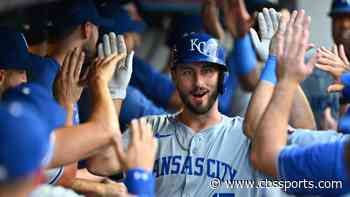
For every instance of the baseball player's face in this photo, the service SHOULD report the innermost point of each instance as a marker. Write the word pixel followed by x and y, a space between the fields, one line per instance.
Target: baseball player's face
pixel 197 85
pixel 341 31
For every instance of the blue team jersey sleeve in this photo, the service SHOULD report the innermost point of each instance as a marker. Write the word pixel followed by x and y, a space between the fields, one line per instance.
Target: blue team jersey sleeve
pixel 305 137
pixel 136 105
pixel 315 162
pixel 155 85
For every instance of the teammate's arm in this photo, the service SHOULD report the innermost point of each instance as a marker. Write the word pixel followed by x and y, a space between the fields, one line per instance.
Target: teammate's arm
pixel 270 138
pixel 268 21
pixel 243 59
pixel 79 142
pixel 301 115
pixel 105 162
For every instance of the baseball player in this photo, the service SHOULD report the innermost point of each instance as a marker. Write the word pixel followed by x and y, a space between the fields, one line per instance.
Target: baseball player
pixel 200 144
pixel 135 104
pixel 159 88
pixel 322 160
pixel 25 145
pixel 65 138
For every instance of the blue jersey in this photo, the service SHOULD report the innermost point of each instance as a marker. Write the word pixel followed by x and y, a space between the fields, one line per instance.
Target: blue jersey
pixel 323 160
pixel 136 105
pixel 46 73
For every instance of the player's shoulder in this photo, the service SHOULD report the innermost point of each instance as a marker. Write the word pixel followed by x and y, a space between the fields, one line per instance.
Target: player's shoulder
pixel 235 122
pixel 160 121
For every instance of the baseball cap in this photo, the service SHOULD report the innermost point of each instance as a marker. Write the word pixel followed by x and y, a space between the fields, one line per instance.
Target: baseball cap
pixel 24 142
pixel 340 7
pixel 14 52
pixel 199 47
pixel 75 12
pixel 40 100
pixel 123 22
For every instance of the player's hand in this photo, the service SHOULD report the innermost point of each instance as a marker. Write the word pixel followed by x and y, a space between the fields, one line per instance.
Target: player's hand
pixel 335 63
pixel 291 48
pixel 67 86
pixel 236 17
pixel 211 21
pixel 121 77
pixel 142 147
pixel 268 24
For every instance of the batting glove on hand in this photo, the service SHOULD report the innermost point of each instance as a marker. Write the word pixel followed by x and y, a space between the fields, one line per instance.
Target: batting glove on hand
pixel 121 77
pixel 268 24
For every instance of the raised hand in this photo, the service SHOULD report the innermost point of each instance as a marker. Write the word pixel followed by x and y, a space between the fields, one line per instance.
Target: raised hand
pixel 237 18
pixel 211 21
pixel 335 63
pixel 67 86
pixel 113 44
pixel 292 46
pixel 142 147
pixel 268 24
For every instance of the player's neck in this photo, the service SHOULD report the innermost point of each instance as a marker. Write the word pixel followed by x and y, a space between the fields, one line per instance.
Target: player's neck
pixel 199 122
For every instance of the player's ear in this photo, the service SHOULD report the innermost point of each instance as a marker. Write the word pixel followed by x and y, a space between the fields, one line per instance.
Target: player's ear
pixel 87 30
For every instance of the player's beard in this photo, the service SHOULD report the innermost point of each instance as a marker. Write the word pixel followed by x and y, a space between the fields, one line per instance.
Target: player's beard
pixel 199 110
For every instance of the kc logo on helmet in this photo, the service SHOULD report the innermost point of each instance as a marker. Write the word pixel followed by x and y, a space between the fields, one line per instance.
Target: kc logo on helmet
pixel 208 48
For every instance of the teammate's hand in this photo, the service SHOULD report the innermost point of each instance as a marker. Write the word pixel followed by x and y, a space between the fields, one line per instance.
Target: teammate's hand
pixel 103 69
pixel 268 24
pixel 237 19
pixel 335 63
pixel 292 46
pixel 211 21
pixel 67 87
pixel 121 77
pixel 142 147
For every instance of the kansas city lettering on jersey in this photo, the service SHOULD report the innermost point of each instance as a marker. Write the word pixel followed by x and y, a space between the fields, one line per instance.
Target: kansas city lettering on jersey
pixel 196 166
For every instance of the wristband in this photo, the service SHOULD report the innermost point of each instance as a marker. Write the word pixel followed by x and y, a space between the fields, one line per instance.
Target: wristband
pixel 140 182
pixel 244 56
pixel 269 72
pixel 345 79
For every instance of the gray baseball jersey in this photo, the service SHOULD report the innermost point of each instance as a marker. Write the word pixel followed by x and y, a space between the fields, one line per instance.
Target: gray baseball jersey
pixel 187 162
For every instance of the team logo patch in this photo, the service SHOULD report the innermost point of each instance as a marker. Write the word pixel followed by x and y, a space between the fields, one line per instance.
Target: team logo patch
pixel 208 48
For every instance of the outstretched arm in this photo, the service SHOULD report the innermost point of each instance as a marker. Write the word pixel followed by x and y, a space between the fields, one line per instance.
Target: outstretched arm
pixel 264 90
pixel 79 142
pixel 105 162
pixel 271 137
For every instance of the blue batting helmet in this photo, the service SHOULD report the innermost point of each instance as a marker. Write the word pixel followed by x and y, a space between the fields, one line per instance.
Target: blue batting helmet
pixel 340 7
pixel 198 47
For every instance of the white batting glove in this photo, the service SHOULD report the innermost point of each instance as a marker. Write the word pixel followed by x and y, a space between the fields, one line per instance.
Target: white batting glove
pixel 121 77
pixel 268 24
